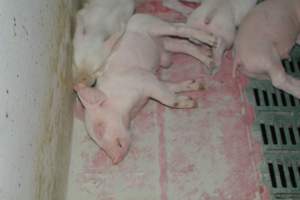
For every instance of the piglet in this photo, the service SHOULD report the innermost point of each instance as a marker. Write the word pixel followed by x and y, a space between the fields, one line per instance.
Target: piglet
pixel 220 17
pixel 129 81
pixel 265 37
pixel 99 26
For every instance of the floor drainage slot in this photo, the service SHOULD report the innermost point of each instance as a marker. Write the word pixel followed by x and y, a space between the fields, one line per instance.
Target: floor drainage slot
pixel 256 95
pixel 272 175
pixel 281 173
pixel 267 98
pixel 282 176
pixel 278 132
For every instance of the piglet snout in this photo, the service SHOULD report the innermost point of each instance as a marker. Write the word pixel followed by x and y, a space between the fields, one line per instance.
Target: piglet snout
pixel 118 150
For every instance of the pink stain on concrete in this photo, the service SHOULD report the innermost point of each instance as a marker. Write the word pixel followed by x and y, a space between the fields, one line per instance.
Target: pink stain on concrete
pixel 163 179
pixel 239 148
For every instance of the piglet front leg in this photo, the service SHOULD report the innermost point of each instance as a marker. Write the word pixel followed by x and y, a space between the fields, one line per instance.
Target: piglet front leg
pixel 177 6
pixel 196 35
pixel 159 28
pixel 166 92
pixel 185 86
pixel 202 52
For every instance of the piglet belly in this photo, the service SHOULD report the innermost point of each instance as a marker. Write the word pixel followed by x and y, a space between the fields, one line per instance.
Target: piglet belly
pixel 137 50
pixel 280 27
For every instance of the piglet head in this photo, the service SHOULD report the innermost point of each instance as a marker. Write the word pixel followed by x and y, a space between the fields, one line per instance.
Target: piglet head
pixel 92 46
pixel 104 123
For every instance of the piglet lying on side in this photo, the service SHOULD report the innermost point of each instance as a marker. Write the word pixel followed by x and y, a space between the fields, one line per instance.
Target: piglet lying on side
pixel 265 37
pixel 99 25
pixel 129 80
pixel 220 17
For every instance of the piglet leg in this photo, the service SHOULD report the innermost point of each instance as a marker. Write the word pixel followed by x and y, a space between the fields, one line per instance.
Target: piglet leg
pixel 218 53
pixel 177 6
pixel 183 46
pixel 185 86
pixel 166 92
pixel 284 81
pixel 280 79
pixel 196 35
pixel 162 28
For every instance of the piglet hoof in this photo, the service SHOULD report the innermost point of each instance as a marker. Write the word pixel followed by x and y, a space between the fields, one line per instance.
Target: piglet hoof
pixel 209 40
pixel 194 85
pixel 184 102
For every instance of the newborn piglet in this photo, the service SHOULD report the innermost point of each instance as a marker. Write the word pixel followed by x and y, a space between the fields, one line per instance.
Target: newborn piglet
pixel 266 36
pixel 129 80
pixel 220 17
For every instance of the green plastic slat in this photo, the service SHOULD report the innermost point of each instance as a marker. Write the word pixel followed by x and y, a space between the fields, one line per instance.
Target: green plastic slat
pixel 291 67
pixel 281 174
pixel 281 130
pixel 295 53
pixel 277 100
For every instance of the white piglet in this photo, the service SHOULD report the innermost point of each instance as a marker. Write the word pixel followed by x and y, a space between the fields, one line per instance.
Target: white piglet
pixel 266 36
pixel 129 80
pixel 220 17
pixel 99 25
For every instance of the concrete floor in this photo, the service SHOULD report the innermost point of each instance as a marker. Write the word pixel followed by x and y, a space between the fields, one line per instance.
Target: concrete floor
pixel 206 153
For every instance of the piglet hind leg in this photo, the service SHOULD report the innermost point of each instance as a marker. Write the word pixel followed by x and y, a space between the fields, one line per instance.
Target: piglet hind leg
pixel 281 80
pixel 202 53
pixel 218 53
pixel 166 92
pixel 285 82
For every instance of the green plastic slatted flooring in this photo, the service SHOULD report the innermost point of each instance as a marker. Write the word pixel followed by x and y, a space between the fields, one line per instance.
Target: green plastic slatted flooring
pixel 277 127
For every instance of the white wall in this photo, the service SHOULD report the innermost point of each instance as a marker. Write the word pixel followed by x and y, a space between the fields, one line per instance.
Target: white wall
pixel 35 103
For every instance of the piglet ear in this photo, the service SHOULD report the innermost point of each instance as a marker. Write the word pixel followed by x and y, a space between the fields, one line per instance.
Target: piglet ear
pixel 91 97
